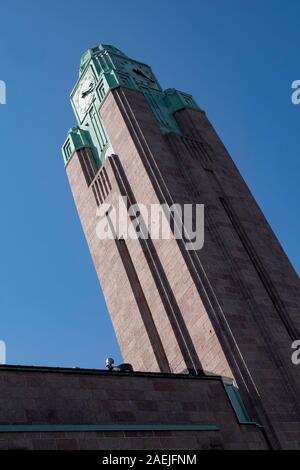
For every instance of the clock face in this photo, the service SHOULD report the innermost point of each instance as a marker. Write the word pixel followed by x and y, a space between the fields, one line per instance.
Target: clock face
pixel 84 94
pixel 141 73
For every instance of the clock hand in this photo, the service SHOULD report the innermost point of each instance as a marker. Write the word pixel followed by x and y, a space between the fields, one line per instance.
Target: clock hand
pixel 88 91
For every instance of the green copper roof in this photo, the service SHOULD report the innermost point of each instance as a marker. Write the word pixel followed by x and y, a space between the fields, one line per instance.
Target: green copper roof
pixel 86 57
pixel 103 68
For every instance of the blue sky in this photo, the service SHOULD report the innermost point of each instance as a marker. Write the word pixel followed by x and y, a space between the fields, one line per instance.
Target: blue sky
pixel 237 57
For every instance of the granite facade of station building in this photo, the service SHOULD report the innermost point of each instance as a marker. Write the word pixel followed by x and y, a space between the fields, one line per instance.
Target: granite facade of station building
pixel 71 409
pixel 207 330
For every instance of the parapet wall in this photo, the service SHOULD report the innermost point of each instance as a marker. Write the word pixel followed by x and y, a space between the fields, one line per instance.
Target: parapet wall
pixel 50 408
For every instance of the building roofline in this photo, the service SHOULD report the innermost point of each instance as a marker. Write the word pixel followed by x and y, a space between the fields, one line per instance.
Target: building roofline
pixel 104 372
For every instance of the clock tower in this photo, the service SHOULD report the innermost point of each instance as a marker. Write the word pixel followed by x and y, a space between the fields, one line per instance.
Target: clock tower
pixel 230 308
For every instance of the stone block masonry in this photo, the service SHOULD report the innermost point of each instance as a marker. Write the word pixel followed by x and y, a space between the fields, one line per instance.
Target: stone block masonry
pixel 231 308
pixel 53 409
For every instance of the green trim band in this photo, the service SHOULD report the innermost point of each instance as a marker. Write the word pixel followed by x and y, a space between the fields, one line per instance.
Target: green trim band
pixel 237 403
pixel 105 427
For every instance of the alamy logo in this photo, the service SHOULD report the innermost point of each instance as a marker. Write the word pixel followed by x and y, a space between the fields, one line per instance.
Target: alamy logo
pixel 295 97
pixel 2 352
pixel 155 221
pixel 296 354
pixel 2 92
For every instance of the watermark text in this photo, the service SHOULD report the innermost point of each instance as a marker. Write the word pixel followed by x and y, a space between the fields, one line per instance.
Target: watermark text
pixel 155 221
pixel 2 92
